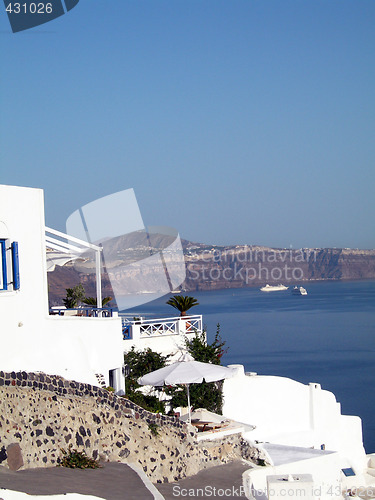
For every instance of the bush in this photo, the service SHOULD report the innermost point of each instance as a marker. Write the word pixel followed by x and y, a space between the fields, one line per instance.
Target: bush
pixel 149 403
pixel 140 363
pixel 74 459
pixel 204 395
pixel 204 352
pixel 154 429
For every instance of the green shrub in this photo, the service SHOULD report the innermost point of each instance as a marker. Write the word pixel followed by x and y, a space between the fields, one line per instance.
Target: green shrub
pixel 140 363
pixel 204 352
pixel 154 429
pixel 149 403
pixel 204 395
pixel 74 459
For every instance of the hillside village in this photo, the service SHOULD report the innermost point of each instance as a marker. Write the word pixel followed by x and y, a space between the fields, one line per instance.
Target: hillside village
pixel 63 383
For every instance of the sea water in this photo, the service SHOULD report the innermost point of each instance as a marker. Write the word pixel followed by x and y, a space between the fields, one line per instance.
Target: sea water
pixel 327 337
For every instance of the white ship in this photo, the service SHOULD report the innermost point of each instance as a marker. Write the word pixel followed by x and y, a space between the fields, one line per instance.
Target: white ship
pixel 273 288
pixel 299 290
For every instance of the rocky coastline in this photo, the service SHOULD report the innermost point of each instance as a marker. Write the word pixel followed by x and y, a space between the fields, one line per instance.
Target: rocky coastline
pixel 212 267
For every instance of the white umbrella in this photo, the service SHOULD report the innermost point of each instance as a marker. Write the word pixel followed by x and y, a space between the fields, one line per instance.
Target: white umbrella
pixel 186 371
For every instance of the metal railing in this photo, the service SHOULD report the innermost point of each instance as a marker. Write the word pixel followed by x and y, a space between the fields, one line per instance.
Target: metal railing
pixel 146 328
pixel 126 331
pixel 94 312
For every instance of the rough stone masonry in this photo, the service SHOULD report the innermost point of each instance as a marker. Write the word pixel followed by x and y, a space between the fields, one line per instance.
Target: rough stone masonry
pixel 41 414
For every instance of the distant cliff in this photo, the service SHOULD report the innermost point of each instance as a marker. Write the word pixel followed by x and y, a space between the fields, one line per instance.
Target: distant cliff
pixel 243 266
pixel 210 267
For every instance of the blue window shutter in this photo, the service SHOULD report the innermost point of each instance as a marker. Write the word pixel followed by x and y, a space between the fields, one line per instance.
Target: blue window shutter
pixel 3 270
pixel 15 266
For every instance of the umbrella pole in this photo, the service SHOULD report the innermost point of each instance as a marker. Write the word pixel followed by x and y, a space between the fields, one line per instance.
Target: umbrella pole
pixel 188 400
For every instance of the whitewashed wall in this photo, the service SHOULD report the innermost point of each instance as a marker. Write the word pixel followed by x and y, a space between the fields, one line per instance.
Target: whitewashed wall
pixel 31 340
pixel 290 413
pixel 163 344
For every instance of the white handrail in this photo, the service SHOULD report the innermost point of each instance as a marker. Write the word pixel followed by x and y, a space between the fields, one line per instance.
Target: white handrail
pixel 164 320
pixel 162 327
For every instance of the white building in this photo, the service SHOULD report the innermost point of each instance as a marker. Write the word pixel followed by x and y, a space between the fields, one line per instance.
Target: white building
pixel 302 431
pixel 74 347
pixel 300 427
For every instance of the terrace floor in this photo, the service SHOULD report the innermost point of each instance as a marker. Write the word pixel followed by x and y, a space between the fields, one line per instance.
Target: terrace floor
pixel 116 481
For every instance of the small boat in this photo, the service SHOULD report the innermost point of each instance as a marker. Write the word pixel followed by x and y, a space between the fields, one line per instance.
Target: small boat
pixel 299 290
pixel 273 288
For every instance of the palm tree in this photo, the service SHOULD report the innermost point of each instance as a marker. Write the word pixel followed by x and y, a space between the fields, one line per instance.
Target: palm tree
pixel 182 303
pixel 74 296
pixel 91 301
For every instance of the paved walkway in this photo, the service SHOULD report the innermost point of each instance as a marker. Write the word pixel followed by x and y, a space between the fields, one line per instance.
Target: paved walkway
pixel 116 481
pixel 222 481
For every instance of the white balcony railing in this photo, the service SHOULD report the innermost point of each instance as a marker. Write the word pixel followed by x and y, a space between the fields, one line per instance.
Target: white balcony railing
pixel 147 328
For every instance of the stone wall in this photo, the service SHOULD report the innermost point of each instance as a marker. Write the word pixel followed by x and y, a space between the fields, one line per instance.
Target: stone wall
pixel 63 387
pixel 229 448
pixel 40 414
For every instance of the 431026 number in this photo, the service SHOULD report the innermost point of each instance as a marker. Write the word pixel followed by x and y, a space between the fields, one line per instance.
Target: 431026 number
pixel 31 8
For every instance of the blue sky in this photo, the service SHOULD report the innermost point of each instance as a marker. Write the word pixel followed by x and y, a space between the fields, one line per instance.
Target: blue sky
pixel 241 121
